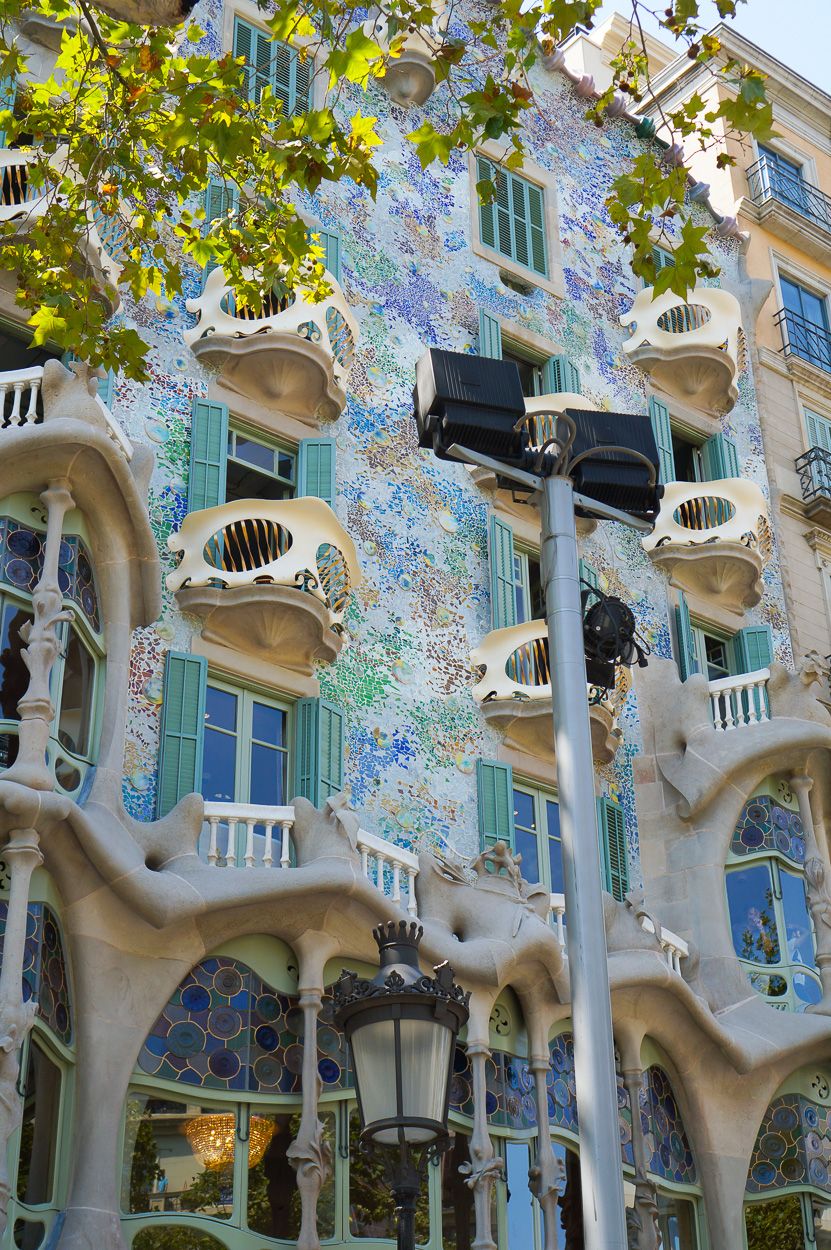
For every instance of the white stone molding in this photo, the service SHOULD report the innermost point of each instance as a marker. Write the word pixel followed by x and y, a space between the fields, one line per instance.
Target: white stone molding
pixel 690 348
pixel 714 539
pixel 297 354
pixel 22 855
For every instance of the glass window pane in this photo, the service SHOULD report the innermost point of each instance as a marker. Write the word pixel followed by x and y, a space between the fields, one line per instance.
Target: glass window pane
pixel 676 1220
pixel 178 1157
pixel 268 724
pixel 821 1208
pixel 252 452
pixel 752 918
pixel 521 587
pixel 798 935
pixel 526 846
pixel 458 1217
pixel 39 1128
pixel 268 776
pixel 777 1222
pixel 520 1204
pixel 371 1212
pixel 525 810
pixel 273 1196
pixel 14 675
pixel 555 846
pixel 220 708
pixel 175 1237
pixel 285 465
pixel 75 719
pixel 219 767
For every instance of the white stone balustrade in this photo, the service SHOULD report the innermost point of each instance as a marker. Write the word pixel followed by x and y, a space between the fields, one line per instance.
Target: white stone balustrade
pixel 673 947
pixel 20 406
pixel 248 835
pixel 713 539
pixel 739 701
pixel 690 348
pixel 296 543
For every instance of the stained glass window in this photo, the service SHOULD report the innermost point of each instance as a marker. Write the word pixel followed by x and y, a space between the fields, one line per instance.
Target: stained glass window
pixel 45 978
pixel 793 1146
pixel 21 564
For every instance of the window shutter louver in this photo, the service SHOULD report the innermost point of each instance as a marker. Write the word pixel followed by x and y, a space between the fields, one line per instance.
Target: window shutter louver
pixel 520 251
pixel 559 375
pixel 316 469
pixel 490 336
pixel 504 233
pixel 685 643
pixel 662 258
pixel 719 458
pixel 182 729
pixel 536 222
pixel 659 416
pixel 319 742
pixel 503 589
pixel 302 101
pixel 208 455
pixel 614 853
pixel 819 430
pixel 330 243
pixel 589 576
pixel 753 648
pixel 487 212
pixel 495 787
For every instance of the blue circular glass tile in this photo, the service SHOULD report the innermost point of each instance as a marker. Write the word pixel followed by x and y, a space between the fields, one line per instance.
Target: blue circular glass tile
pixel 773 1145
pixel 18 572
pixel 185 1038
pixel 780 817
pixel 809 1115
pixel 224 1064
pixel 329 1071
pixel 491 1103
pixel 64 581
pixel 268 1007
pixel 25 543
pixel 61 1017
pixel 196 998
pixel 784 1118
pixel 50 935
pixel 266 1038
pixel 817 1172
pixel 224 1022
pixel 267 1071
pixel 228 982
pixel 752 837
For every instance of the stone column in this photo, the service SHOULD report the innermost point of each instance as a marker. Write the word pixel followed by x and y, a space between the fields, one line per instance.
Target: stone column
pixel 817 887
pixel 642 1222
pixel 546 1178
pixel 16 1017
pixel 484 1166
pixel 42 646
pixel 309 1154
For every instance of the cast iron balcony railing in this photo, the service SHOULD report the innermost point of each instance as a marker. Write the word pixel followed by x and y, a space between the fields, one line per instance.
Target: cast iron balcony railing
pixel 769 181
pixel 814 469
pixel 804 339
pixel 713 539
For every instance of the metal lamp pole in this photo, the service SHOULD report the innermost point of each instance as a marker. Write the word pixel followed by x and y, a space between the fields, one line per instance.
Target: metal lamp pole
pixel 601 1175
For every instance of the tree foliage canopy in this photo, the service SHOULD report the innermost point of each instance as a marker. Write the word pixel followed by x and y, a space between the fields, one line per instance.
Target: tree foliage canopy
pixel 125 134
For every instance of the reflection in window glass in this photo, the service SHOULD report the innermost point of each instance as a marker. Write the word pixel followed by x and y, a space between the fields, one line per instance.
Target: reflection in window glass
pixel 371 1212
pixel 752 919
pixel 175 1237
pixel 219 766
pixel 178 1157
pixel 29 1234
pixel 525 834
pixel 273 1197
pixel 458 1218
pixel 821 1214
pixel 14 675
pixel 571 1202
pixel 520 1204
pixel 776 1223
pixel 798 932
pixel 269 755
pixel 39 1128
pixel 555 846
pixel 676 1220
pixel 76 697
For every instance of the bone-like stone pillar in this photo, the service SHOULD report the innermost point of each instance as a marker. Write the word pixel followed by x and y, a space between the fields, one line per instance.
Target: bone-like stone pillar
pixel 819 896
pixel 642 1223
pixel 16 1017
pixel 484 1167
pixel 309 1154
pixel 41 638
pixel 546 1177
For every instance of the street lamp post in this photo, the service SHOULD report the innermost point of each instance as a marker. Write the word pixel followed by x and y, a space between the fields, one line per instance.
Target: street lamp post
pixel 472 409
pixel 401 1029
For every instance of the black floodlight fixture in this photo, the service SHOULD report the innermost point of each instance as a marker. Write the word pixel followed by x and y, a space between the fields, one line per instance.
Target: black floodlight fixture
pixel 474 401
pixel 401 1030
pixel 614 459
pixel 610 637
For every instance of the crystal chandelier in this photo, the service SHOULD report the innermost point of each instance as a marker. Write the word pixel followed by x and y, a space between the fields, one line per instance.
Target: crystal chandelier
pixel 212 1139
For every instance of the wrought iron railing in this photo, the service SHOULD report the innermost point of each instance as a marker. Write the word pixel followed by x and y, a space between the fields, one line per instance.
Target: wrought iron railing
pixel 804 338
pixel 769 181
pixel 814 469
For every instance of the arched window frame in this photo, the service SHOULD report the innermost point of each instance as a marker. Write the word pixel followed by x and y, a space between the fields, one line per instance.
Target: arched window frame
pixel 801 980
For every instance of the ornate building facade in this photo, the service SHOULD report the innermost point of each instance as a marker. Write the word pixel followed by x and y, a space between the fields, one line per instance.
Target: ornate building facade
pixel 271 675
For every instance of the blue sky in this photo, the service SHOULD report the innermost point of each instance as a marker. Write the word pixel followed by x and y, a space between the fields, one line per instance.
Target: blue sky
pixel 802 40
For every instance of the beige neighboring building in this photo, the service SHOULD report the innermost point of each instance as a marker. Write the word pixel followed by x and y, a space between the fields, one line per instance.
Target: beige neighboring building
pixel 780 193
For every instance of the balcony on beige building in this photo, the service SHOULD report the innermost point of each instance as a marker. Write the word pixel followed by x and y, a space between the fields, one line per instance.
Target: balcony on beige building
pixel 713 539
pixel 791 207
pixel 267 577
pixel 690 349
pixel 814 469
pixel 294 354
pixel 514 691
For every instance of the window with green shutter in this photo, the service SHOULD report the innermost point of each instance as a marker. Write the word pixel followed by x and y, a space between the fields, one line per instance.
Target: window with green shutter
pixel 316 469
pixel 330 242
pixel 503 575
pixel 719 458
pixel 662 429
pixel 181 743
pixel 818 429
pixel 614 854
pixel 685 649
pixel 257 467
pixel 208 455
pixel 272 64
pixel 513 223
pixel 319 750
pixel 490 336
pixel 559 375
pixel 495 787
pixel 752 649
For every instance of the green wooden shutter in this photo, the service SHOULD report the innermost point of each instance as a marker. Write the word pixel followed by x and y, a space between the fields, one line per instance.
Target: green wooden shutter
pixel 536 222
pixel 495 787
pixel 614 855
pixel 330 242
pixel 302 84
pixel 685 642
pixel 490 336
pixel 318 744
pixel 558 375
pixel 8 95
pixel 316 469
pixel 503 588
pixel 659 416
pixel 719 458
pixel 292 79
pixel 752 648
pixel 254 46
pixel 182 728
pixel 208 455
pixel 662 258
pixel 589 575
pixel 219 200
pixel 487 212
pixel 819 430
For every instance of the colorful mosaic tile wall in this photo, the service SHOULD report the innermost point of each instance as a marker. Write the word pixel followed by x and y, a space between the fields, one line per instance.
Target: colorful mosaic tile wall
pixel 45 975
pixel 412 280
pixel 793 1146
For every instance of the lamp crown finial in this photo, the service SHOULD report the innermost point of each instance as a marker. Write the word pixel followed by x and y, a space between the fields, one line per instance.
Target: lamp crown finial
pixel 398 941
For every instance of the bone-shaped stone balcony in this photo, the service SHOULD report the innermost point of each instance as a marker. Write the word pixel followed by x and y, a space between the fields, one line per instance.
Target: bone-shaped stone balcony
pixel 294 353
pixel 269 577
pixel 713 539
pixel 689 348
